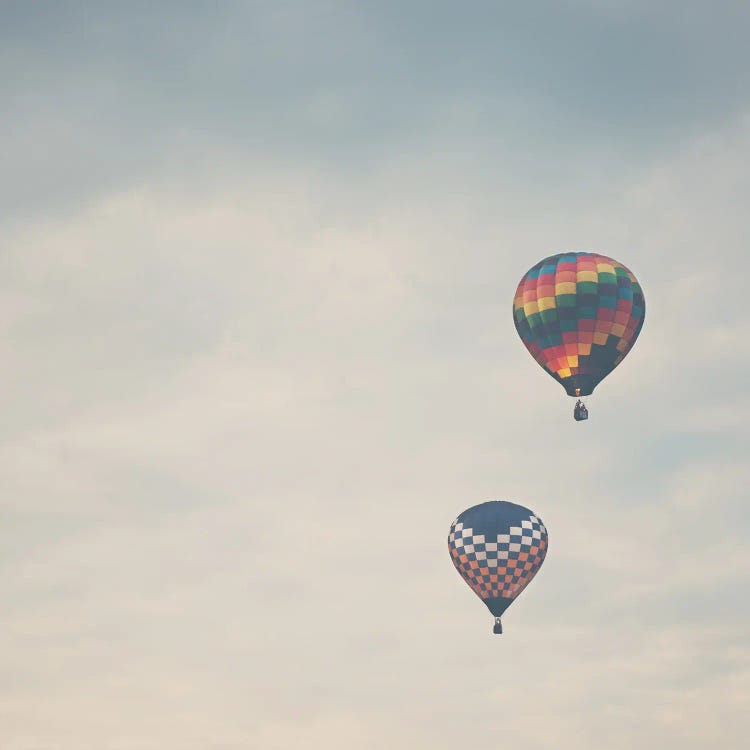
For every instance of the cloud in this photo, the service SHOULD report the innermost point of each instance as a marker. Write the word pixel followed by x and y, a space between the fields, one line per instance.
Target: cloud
pixel 255 365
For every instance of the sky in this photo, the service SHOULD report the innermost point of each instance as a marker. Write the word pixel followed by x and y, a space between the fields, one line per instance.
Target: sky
pixel 257 262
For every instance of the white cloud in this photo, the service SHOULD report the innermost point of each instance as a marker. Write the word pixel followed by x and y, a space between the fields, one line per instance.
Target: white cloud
pixel 241 412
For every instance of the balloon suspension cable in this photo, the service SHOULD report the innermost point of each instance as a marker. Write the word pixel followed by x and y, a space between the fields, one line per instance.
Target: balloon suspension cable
pixel 498 629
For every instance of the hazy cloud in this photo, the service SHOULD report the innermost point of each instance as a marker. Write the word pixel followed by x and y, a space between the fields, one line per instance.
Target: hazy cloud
pixel 256 272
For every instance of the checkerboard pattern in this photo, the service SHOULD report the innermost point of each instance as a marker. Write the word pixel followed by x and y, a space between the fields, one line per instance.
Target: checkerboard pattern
pixel 501 566
pixel 579 314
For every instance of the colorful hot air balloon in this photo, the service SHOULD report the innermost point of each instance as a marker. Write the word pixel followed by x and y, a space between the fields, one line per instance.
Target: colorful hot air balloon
pixel 497 547
pixel 579 314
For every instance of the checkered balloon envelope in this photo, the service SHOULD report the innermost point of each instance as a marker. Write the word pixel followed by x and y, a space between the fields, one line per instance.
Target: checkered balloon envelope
pixel 579 314
pixel 497 548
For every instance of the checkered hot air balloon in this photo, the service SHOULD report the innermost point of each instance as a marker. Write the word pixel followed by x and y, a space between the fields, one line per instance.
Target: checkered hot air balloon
pixel 579 314
pixel 497 548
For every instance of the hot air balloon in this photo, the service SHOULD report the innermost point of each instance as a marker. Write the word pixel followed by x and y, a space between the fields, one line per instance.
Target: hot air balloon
pixel 497 547
pixel 579 314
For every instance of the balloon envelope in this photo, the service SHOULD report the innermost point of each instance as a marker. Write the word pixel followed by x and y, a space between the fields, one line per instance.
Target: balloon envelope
pixel 497 548
pixel 579 314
